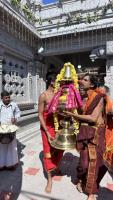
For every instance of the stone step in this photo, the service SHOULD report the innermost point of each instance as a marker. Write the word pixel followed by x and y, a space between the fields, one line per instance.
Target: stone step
pixel 28 119
pixel 26 133
pixel 28 137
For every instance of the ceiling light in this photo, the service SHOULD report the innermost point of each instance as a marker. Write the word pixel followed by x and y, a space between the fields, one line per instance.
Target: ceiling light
pixel 79 66
pixel 40 50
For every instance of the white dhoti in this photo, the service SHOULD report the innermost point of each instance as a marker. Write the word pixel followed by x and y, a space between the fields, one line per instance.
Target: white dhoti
pixel 8 154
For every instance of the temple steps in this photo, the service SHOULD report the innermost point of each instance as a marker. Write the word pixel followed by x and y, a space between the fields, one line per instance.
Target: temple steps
pixel 26 133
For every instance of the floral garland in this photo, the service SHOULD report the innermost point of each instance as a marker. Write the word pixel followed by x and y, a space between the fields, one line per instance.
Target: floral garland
pixel 75 123
pixel 59 78
pixel 56 123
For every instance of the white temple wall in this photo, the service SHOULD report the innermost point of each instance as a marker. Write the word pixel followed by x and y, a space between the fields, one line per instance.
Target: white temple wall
pixel 15 75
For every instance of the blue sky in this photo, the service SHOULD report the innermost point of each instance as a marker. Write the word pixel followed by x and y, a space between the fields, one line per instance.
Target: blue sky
pixel 49 1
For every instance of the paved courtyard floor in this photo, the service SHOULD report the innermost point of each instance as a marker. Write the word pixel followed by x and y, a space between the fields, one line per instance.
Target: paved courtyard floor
pixel 28 181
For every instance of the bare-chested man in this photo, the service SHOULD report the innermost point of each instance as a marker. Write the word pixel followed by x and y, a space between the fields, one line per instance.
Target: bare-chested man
pixel 91 139
pixel 52 157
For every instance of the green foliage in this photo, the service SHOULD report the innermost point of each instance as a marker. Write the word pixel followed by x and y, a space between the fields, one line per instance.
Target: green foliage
pixel 50 21
pixel 27 12
pixel 58 25
pixel 88 18
pixel 15 3
pixel 78 18
pixel 96 16
pixel 104 10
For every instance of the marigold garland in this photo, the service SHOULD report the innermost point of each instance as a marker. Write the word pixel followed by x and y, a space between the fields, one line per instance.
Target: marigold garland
pixel 59 78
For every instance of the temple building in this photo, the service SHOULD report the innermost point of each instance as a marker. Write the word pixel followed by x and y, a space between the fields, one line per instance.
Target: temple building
pixel 38 36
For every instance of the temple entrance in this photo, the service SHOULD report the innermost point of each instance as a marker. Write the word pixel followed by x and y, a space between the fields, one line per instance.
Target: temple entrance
pixel 83 64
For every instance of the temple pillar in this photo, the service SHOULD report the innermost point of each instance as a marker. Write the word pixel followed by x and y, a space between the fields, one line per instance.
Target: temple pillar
pixel 29 78
pixel 1 59
pixel 1 68
pixel 109 67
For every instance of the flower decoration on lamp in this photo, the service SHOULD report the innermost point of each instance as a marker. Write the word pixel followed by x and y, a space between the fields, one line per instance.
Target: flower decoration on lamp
pixel 67 98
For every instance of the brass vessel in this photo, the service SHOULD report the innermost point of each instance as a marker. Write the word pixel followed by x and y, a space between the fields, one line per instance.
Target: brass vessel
pixel 65 138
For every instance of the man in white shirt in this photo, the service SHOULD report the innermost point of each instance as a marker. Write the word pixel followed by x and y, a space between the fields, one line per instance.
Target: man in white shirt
pixel 9 114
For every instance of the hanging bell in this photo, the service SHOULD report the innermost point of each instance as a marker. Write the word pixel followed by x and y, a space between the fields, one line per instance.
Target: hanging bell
pixel 65 138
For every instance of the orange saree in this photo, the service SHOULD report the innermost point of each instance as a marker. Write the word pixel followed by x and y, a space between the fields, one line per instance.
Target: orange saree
pixel 108 154
pixel 52 156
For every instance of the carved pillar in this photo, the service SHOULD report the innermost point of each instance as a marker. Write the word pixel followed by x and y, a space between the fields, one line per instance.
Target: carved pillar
pixel 38 75
pixel 109 76
pixel 37 85
pixel 109 67
pixel 43 80
pixel 1 58
pixel 30 65
pixel 1 67
pixel 41 71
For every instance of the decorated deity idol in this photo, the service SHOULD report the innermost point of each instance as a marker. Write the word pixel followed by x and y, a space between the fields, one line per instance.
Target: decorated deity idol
pixel 66 97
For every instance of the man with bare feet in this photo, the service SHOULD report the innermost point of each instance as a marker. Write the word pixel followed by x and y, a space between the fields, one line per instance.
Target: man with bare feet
pixel 91 139
pixel 9 114
pixel 52 157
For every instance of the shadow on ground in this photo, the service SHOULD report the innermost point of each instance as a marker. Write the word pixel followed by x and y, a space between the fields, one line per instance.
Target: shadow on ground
pixel 41 155
pixel 68 165
pixel 11 180
pixel 105 194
